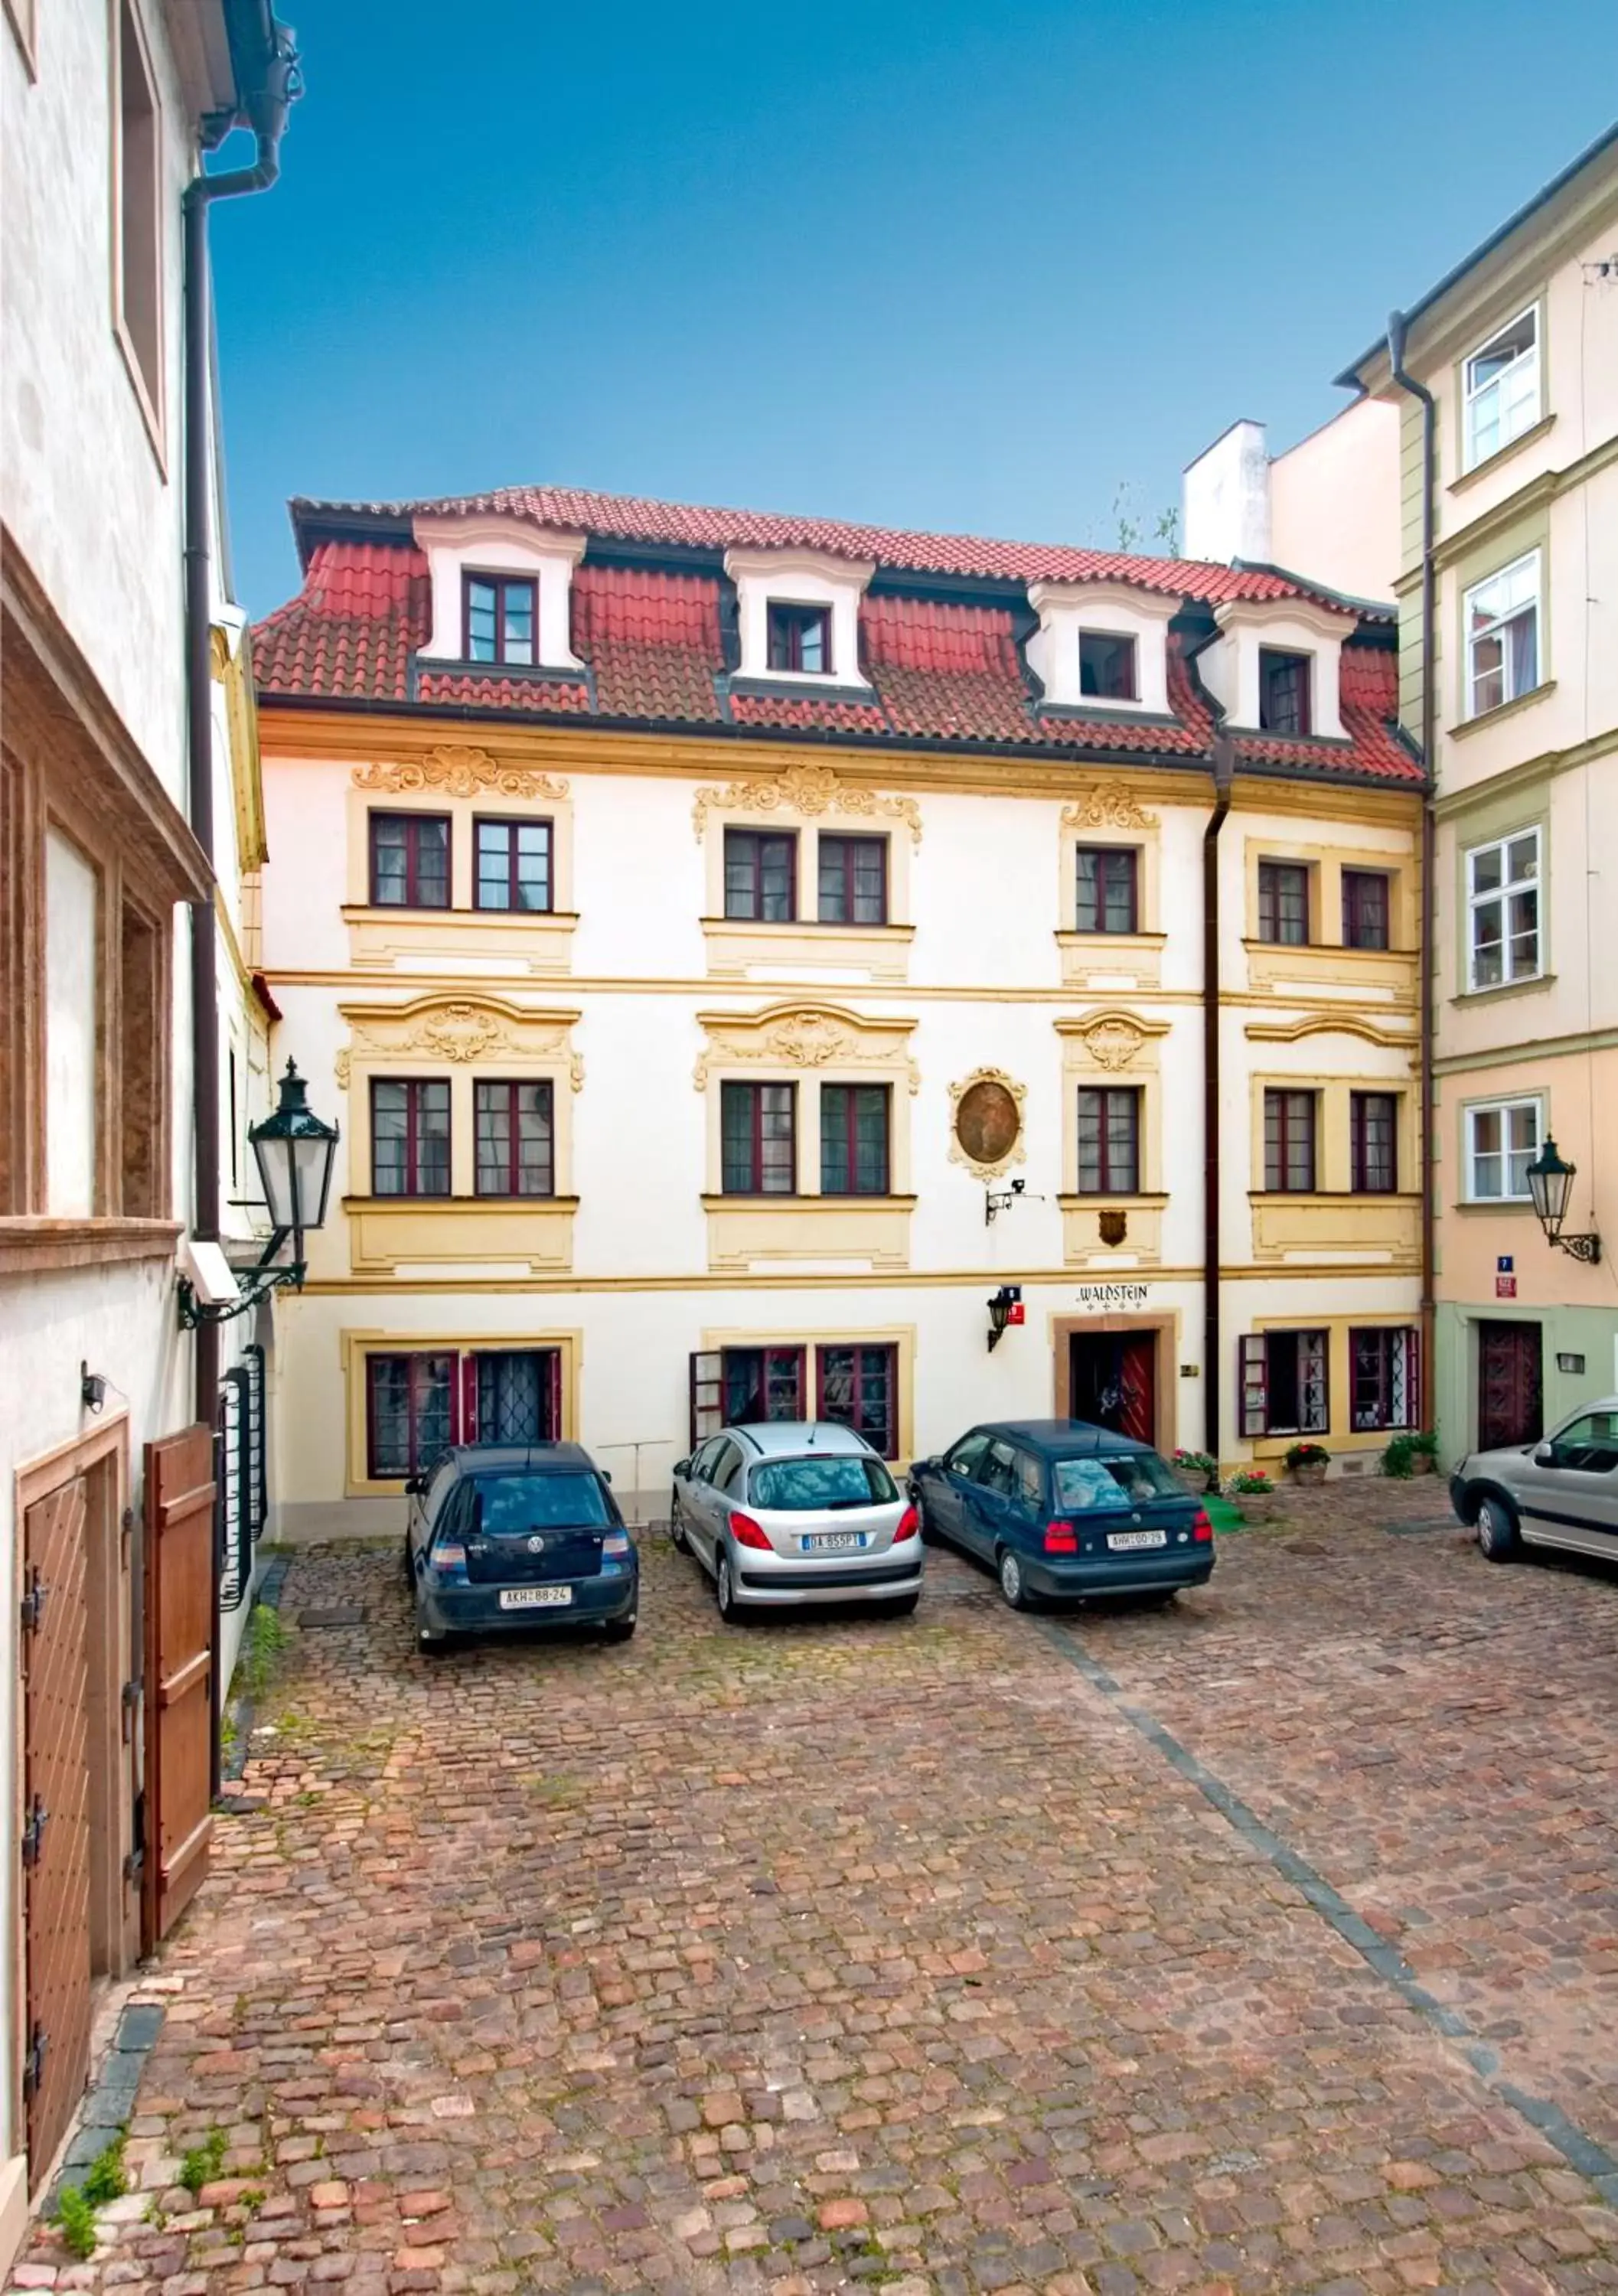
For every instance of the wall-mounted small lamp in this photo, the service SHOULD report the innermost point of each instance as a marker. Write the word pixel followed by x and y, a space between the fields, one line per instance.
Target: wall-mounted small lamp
pixel 1004 1308
pixel 1550 1184
pixel 295 1151
pixel 92 1387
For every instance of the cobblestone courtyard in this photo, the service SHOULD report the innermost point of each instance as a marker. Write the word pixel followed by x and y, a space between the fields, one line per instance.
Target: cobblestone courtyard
pixel 1270 1942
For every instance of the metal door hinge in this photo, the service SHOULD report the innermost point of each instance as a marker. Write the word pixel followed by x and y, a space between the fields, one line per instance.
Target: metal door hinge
pixel 134 1692
pixel 135 1864
pixel 33 1603
pixel 33 1832
pixel 33 2063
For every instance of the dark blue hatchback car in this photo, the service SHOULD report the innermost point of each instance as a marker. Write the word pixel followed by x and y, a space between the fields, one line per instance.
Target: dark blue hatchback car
pixel 1063 1508
pixel 518 1534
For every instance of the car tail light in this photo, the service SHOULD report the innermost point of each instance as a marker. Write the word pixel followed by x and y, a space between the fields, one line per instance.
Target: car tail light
pixel 615 1551
pixel 615 1542
pixel 909 1523
pixel 448 1559
pixel 1201 1530
pixel 1061 1538
pixel 746 1532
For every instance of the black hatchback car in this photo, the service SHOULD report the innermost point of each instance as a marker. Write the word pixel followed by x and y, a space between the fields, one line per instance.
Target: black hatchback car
pixel 518 1534
pixel 1063 1508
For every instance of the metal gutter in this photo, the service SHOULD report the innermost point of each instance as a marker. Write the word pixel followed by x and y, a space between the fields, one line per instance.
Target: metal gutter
pixel 1397 327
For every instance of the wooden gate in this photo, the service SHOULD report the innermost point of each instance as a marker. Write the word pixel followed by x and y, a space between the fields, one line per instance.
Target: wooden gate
pixel 179 1665
pixel 1113 1382
pixel 1508 1400
pixel 55 1818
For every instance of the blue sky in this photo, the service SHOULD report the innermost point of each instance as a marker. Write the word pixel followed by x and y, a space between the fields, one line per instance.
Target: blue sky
pixel 966 266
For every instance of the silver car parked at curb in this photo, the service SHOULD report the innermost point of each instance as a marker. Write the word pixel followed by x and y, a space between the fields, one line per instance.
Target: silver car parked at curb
pixel 790 1511
pixel 1561 1492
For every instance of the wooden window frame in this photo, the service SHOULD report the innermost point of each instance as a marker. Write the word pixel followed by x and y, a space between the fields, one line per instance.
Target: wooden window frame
pixel 1273 877
pixel 413 824
pixel 786 620
pixel 860 1349
pixel 414 1087
pixel 1472 393
pixel 512 823
pixel 1502 895
pixel 140 336
pixel 1360 1108
pixel 416 1357
pixel 1115 640
pixel 1279 1098
pixel 845 1094
pixel 1377 1418
pixel 500 584
pixel 757 1089
pixel 1105 1095
pixel 1276 662
pixel 751 843
pixel 1505 1109
pixel 513 1086
pixel 1254 1381
pixel 1111 861
pixel 847 850
pixel 1357 899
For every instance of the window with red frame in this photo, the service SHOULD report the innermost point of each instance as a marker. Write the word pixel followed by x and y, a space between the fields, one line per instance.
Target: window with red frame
pixel 1109 1140
pixel 800 637
pixel 417 1405
pixel 759 1139
pixel 854 1120
pixel 1284 693
pixel 761 875
pixel 1284 902
pixel 409 861
pixel 499 619
pixel 515 1142
pixel 858 1387
pixel 1289 1141
pixel 513 867
pixel 1373 1143
pixel 409 1136
pixel 1385 1388
pixel 1105 881
pixel 853 880
pixel 762 1383
pixel 1282 1383
pixel 1365 908
pixel 410 1413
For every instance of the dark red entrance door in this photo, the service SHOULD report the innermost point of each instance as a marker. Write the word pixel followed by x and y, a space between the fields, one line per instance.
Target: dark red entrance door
pixel 1113 1382
pixel 1508 1404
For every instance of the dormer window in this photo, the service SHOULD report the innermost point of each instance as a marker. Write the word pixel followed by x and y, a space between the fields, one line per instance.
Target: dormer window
pixel 1106 666
pixel 1284 696
pixel 800 638
pixel 499 618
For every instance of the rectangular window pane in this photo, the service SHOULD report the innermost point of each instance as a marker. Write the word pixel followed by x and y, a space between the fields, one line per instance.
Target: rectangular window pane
pixel 432 841
pixel 853 873
pixel 387 861
pixel 1365 908
pixel 1284 903
pixel 409 1401
pixel 1106 666
pixel 494 864
pixel 758 1139
pixel 1372 1125
pixel 1105 888
pixel 760 876
pixel 518 623
pixel 390 1138
pixel 482 623
pixel 854 1140
pixel 1289 1140
pixel 1109 1140
pixel 533 870
pixel 858 1389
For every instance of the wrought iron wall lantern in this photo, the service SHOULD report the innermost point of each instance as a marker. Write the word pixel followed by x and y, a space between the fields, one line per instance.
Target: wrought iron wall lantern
pixel 1004 1308
pixel 1550 1184
pixel 295 1151
pixel 1000 1199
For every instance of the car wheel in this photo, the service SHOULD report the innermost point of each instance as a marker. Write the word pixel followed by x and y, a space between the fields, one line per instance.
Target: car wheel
pixel 407 1561
pixel 679 1536
pixel 725 1593
pixel 931 1535
pixel 1013 1584
pixel 1497 1530
pixel 619 1630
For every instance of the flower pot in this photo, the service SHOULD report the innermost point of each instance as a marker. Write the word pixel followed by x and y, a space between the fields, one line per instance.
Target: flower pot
pixel 1308 1471
pixel 1422 1463
pixel 1256 1507
pixel 1194 1479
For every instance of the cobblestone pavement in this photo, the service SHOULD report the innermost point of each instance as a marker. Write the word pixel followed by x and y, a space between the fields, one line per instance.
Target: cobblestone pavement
pixel 1265 1943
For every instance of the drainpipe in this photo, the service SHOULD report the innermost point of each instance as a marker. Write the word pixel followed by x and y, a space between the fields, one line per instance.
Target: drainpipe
pixel 263 107
pixel 1407 381
pixel 1224 767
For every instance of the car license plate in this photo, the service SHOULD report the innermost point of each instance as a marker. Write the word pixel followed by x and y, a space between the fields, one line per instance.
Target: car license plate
pixel 535 1598
pixel 1121 1539
pixel 832 1542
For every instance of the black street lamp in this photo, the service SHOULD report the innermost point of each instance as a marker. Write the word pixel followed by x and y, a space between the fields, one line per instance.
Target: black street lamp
pixel 1550 1184
pixel 295 1151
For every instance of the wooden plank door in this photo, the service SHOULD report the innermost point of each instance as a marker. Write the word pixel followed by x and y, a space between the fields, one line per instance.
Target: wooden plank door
pixel 1508 1385
pixel 179 1667
pixel 54 1657
pixel 1138 1387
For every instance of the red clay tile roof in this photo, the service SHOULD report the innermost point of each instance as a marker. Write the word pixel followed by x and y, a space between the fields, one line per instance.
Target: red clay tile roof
pixel 942 670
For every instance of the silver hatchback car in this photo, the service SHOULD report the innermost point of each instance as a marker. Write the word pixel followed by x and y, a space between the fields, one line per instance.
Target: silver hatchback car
pixel 791 1512
pixel 1562 1492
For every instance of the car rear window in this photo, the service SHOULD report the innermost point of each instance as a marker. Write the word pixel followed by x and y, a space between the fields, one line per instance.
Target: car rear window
pixel 1125 1479
pixel 834 1480
pixel 514 1503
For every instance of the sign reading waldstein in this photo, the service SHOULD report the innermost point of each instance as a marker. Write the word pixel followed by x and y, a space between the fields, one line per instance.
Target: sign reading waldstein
pixel 1111 1295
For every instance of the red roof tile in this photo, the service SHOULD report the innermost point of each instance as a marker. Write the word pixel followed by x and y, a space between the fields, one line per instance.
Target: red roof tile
pixel 940 670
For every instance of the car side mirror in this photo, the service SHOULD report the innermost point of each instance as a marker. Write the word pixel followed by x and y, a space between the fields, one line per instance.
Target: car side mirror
pixel 414 1486
pixel 605 1477
pixel 682 1466
pixel 1545 1456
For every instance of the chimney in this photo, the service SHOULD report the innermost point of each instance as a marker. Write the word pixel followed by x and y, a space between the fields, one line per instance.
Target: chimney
pixel 1225 496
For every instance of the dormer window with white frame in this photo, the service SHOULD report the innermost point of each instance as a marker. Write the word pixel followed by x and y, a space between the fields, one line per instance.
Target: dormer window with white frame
pixel 501 592
pixel 797 616
pixel 1500 388
pixel 1275 665
pixel 1102 646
